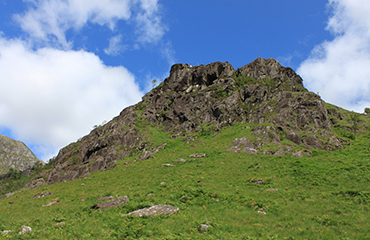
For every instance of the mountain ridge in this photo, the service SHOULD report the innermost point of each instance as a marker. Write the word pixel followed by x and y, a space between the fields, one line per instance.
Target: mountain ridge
pixel 291 119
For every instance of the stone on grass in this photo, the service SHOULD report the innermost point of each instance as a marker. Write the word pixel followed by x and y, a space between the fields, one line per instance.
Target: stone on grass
pixel 51 203
pixel 42 194
pixel 154 210
pixel 5 232
pixel 168 165
pixel 110 204
pixel 25 229
pixel 179 160
pixel 203 228
pixel 198 155
pixel 271 189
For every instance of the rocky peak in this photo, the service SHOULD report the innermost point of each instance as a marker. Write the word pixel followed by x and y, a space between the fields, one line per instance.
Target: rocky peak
pixel 269 68
pixel 183 76
pixel 269 97
pixel 15 154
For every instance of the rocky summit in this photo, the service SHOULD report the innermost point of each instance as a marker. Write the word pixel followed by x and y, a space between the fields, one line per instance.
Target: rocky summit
pixel 284 114
pixel 16 155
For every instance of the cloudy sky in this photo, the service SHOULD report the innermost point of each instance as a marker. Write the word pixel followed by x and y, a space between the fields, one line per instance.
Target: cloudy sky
pixel 67 65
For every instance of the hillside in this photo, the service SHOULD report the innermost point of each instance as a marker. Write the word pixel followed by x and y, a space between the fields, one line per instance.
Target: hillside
pixel 16 155
pixel 239 154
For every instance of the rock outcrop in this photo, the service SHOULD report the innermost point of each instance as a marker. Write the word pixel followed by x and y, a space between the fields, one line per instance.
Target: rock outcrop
pixel 263 93
pixel 16 155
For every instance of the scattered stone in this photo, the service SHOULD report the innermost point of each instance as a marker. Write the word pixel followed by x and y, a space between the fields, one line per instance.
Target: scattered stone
pixel 42 194
pixel 242 143
pixel 51 203
pixel 189 139
pixel 146 155
pixel 261 212
pixel 258 181
pixel 203 228
pixel 5 232
pixel 25 229
pixel 168 165
pixel 11 202
pixel 154 210
pixel 179 160
pixel 104 198
pixel 297 154
pixel 61 223
pixel 110 204
pixel 82 184
pixel 163 183
pixel 279 152
pixel 149 195
pixel 8 195
pixel 198 155
pixel 272 189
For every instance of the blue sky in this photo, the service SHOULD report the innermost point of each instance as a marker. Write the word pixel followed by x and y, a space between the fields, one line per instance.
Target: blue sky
pixel 68 65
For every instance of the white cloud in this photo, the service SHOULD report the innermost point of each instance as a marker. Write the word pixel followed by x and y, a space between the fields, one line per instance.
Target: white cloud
pixel 116 46
pixel 51 97
pixel 47 21
pixel 339 69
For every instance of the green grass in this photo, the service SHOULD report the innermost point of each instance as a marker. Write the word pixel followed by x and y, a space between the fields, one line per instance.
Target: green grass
pixel 325 196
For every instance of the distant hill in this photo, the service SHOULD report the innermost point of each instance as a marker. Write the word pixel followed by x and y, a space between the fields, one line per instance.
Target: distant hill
pixel 16 155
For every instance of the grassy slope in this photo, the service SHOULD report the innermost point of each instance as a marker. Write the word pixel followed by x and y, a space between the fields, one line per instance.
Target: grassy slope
pixel 325 196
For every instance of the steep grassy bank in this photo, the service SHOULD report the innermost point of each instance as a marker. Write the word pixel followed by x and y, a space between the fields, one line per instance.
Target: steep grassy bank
pixel 322 196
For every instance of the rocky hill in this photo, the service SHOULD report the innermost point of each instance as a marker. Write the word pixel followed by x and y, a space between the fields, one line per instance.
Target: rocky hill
pixel 16 155
pixel 286 117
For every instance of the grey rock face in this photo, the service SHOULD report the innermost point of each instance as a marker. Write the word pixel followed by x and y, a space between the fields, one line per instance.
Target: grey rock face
pixel 15 154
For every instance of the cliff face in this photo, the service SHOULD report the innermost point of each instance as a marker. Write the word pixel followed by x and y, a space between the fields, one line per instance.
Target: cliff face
pixel 262 93
pixel 15 154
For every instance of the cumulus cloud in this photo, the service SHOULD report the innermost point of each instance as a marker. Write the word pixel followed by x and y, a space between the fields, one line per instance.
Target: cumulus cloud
pixel 49 20
pixel 339 69
pixel 115 47
pixel 50 97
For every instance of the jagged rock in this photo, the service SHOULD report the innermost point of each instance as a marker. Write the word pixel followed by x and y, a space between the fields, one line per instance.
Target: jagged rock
pixel 146 155
pixel 280 152
pixel 242 143
pixel 16 155
pixel 36 183
pixel 154 210
pixel 293 137
pixel 110 204
pixel 297 154
pixel 40 195
pixel 25 229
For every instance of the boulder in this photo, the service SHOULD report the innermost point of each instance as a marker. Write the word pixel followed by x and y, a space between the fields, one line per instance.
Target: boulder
pixel 25 229
pixel 154 210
